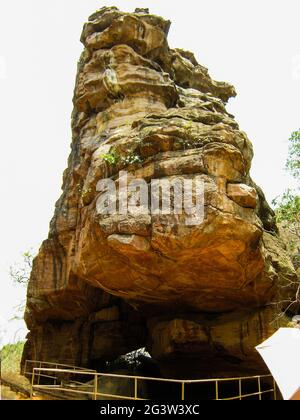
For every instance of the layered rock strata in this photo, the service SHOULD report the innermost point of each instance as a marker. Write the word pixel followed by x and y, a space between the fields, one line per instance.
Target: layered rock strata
pixel 197 296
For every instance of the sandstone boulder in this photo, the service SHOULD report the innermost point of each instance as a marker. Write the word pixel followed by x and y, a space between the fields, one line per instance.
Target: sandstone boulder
pixel 104 284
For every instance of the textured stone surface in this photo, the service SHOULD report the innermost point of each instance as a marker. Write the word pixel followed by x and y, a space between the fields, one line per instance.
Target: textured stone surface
pixel 243 195
pixel 218 344
pixel 156 113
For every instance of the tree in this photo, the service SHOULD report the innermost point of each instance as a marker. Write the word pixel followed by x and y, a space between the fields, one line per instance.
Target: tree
pixel 288 218
pixel 293 161
pixel 20 273
pixel 287 207
pixel 287 210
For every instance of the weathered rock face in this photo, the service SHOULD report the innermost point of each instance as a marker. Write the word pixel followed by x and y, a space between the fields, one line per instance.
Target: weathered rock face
pixel 103 285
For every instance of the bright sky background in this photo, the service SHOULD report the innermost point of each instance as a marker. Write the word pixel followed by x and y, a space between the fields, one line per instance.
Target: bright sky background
pixel 252 44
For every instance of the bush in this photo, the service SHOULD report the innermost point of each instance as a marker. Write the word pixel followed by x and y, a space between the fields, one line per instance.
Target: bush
pixel 10 357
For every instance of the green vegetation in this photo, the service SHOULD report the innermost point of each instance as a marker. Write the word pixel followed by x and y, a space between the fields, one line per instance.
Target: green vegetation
pixel 20 273
pixel 10 356
pixel 287 207
pixel 288 218
pixel 86 192
pixel 293 161
pixel 131 159
pixel 111 158
pixel 287 210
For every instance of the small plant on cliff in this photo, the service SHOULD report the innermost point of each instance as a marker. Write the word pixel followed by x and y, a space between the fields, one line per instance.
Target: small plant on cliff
pixel 111 158
pixel 185 143
pixel 131 159
pixel 86 192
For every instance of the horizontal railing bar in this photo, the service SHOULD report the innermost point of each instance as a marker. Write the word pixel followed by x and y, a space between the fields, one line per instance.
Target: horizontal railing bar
pixel 187 381
pixel 107 374
pixel 226 379
pixel 79 383
pixel 248 395
pixel 120 397
pixel 60 364
pixel 43 375
pixel 47 376
pixel 58 388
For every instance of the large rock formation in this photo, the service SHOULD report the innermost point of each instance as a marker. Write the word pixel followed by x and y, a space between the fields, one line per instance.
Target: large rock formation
pixel 197 295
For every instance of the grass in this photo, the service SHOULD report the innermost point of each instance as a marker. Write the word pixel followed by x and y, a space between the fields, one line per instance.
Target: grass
pixel 10 357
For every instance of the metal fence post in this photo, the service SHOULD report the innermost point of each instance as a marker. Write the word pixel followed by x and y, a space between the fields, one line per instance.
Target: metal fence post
pixel 240 389
pixel 135 388
pixel 259 388
pixel 95 386
pixel 55 377
pixel 32 383
pixel 217 390
pixel 39 375
pixel 182 391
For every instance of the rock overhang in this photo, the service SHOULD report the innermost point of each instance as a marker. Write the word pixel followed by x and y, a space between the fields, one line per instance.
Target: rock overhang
pixel 155 113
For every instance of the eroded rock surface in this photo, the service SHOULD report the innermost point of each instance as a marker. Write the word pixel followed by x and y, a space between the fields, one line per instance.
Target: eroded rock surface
pixel 103 285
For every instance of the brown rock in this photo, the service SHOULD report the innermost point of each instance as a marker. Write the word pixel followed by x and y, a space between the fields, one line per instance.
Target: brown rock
pixel 128 243
pixel 214 343
pixel 243 195
pixel 155 113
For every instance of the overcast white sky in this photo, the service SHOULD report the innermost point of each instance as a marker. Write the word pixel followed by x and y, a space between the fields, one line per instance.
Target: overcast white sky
pixel 252 44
